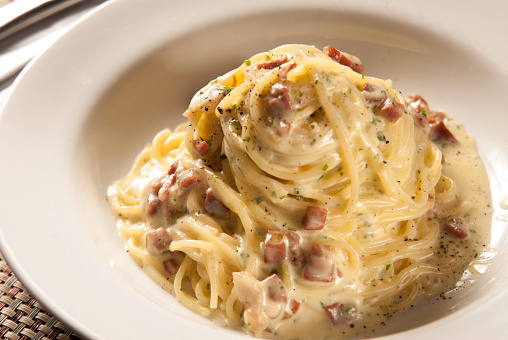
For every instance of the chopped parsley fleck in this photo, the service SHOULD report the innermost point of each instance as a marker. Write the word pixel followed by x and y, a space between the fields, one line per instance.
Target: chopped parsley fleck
pixel 388 266
pixel 316 82
pixel 235 122
pixel 227 89
pixel 325 167
pixel 223 157
pixel 381 136
pixel 259 200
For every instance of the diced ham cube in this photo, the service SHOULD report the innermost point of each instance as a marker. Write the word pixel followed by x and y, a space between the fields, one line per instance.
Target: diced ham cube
pixel 280 101
pixel 439 132
pixel 283 74
pixel 335 313
pixel 373 94
pixel 344 59
pixel 172 168
pixel 158 241
pixel 171 266
pixel 275 288
pixel 188 178
pixel 202 147
pixel 418 108
pixel 294 252
pixel 315 218
pixel 291 309
pixel 274 249
pixel 456 228
pixel 273 63
pixel 320 264
pixel 280 245
pixel 213 205
pixel 152 206
pixel 392 110
pixel 283 128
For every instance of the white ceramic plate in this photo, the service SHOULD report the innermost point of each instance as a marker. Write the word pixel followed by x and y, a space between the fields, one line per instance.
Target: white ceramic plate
pixel 80 112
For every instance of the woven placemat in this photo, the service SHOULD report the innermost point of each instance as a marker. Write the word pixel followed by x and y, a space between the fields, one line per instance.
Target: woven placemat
pixel 21 316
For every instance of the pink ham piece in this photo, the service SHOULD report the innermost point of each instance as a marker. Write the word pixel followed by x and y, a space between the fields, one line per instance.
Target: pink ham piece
pixel 283 74
pixel 283 128
pixel 188 178
pixel 158 241
pixel 418 108
pixel 273 63
pixel 335 313
pixel 315 218
pixel 344 59
pixel 294 252
pixel 280 245
pixel 152 206
pixel 320 264
pixel 275 288
pixel 213 205
pixel 274 249
pixel 384 105
pixel 291 309
pixel 280 101
pixel 171 266
pixel 456 228
pixel 392 110
pixel 202 147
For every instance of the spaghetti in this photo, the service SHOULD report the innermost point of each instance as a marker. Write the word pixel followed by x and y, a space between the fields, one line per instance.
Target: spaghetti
pixel 302 192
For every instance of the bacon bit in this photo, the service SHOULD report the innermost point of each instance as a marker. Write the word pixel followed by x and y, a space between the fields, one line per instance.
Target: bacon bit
pixel 320 265
pixel 436 115
pixel 295 253
pixel 280 101
pixel 418 108
pixel 168 213
pixel 213 205
pixel 274 249
pixel 275 288
pixel 202 147
pixel 188 178
pixel 335 312
pixel 152 207
pixel 164 191
pixel 456 228
pixel 172 168
pixel 392 110
pixel 284 70
pixel 158 241
pixel 157 186
pixel 344 59
pixel 283 128
pixel 291 309
pixel 431 121
pixel 373 94
pixel 440 132
pixel 171 266
pixel 315 218
pixel 272 63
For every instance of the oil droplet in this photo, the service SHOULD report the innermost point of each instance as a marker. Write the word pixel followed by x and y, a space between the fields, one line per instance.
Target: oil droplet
pixel 504 203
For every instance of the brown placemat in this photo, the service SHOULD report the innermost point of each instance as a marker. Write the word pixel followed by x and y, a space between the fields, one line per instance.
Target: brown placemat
pixel 21 316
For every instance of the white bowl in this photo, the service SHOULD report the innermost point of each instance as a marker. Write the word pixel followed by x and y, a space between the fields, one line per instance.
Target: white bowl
pixel 81 111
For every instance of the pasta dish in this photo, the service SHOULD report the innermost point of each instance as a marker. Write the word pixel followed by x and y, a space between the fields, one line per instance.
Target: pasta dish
pixel 303 196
